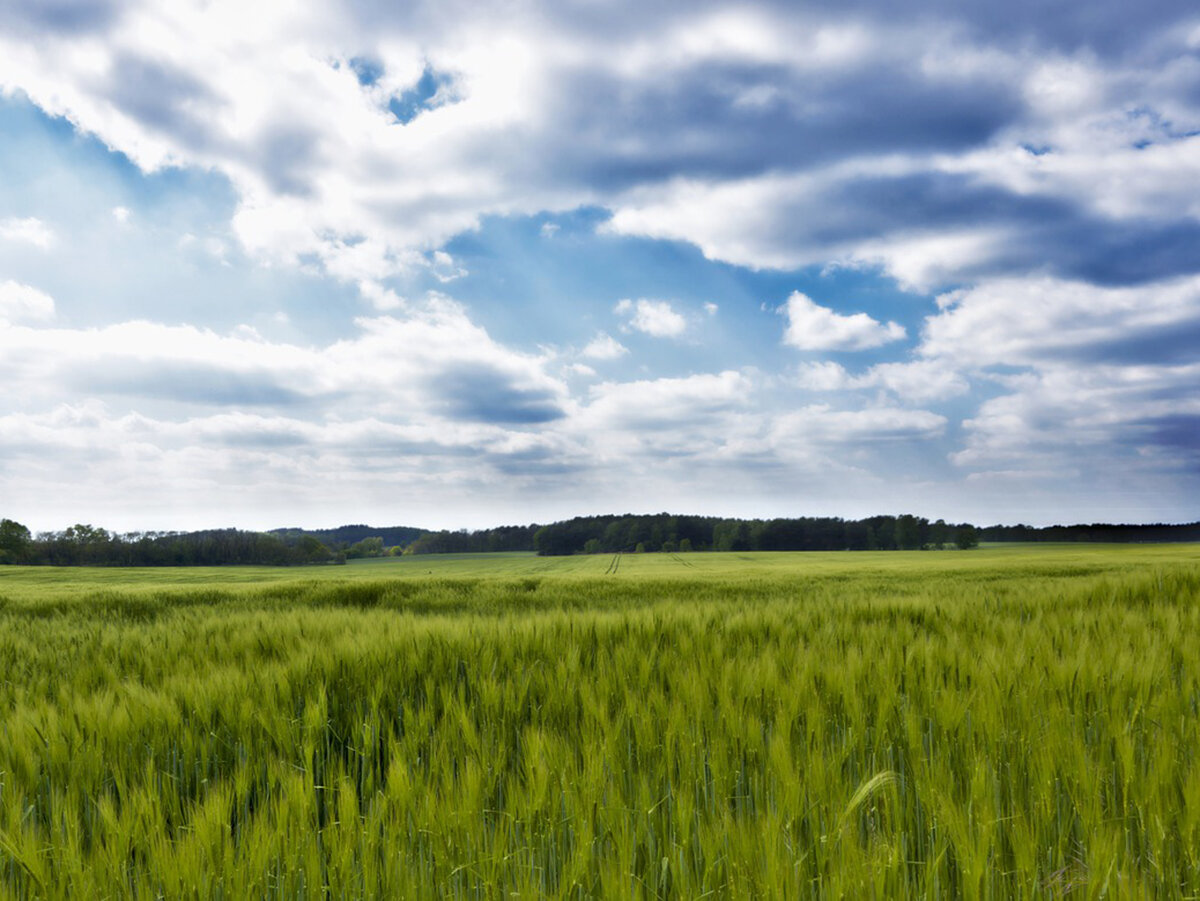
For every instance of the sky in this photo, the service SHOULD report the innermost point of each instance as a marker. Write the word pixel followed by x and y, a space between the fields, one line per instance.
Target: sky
pixel 461 264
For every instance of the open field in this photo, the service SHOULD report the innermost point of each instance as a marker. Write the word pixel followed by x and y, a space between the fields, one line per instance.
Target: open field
pixel 1008 722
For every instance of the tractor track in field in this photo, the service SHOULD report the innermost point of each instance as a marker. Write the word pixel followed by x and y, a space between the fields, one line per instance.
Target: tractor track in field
pixel 613 565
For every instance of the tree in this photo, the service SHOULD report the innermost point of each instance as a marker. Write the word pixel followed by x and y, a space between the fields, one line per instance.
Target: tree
pixel 939 534
pixel 14 539
pixel 311 550
pixel 368 547
pixel 908 532
pixel 966 537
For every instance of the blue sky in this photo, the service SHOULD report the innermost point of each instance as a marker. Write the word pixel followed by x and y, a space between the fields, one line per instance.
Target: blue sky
pixel 465 264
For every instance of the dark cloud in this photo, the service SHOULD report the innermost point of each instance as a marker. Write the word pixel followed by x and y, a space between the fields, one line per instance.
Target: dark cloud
pixel 265 438
pixel 62 17
pixel 286 155
pixel 160 95
pixel 1168 345
pixel 1105 252
pixel 733 121
pixel 483 394
pixel 182 382
pixel 1105 26
pixel 1109 27
pixel 1180 433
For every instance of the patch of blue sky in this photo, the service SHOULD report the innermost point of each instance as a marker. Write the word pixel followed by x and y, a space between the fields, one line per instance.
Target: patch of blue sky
pixel 420 97
pixel 185 264
pixel 367 70
pixel 556 280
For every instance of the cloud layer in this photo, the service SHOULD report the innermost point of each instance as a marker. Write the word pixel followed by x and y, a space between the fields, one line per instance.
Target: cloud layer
pixel 977 223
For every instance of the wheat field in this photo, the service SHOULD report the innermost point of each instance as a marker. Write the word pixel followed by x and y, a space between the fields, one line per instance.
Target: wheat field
pixel 1018 722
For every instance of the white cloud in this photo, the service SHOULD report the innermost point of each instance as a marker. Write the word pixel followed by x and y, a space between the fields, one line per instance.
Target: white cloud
pixel 380 297
pixel 766 222
pixel 1096 381
pixel 917 381
pixel 444 268
pixel 22 303
pixel 646 426
pixel 736 221
pixel 604 347
pixel 824 375
pixel 652 317
pixel 941 154
pixel 813 327
pixel 665 400
pixel 921 260
pixel 1039 320
pixel 29 231
pixel 432 363
pixel 320 164
pixel 1110 419
pixel 821 424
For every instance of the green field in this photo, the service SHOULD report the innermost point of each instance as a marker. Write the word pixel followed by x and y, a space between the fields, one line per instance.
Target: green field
pixel 1007 723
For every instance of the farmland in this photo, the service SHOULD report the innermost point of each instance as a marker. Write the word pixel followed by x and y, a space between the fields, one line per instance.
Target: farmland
pixel 1007 722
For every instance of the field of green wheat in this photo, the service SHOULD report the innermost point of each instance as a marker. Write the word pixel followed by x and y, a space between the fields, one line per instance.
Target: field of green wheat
pixel 1001 723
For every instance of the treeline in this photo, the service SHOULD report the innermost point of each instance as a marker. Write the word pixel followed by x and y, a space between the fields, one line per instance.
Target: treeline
pixel 664 532
pixel 1096 532
pixel 87 545
pixel 483 541
pixel 345 537
pixel 674 534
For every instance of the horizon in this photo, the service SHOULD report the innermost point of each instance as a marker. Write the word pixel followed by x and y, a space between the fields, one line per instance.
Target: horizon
pixel 475 264
pixel 528 524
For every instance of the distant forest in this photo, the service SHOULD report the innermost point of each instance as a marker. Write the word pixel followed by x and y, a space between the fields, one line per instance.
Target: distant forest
pixel 87 545
pixel 664 532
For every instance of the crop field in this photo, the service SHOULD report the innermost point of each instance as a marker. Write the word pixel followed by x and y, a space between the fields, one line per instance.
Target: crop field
pixel 1011 722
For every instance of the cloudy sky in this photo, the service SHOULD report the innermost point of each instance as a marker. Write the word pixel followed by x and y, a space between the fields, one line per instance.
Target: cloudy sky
pixel 458 264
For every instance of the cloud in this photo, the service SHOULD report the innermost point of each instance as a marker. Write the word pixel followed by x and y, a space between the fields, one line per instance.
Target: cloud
pixel 656 318
pixel 22 303
pixel 29 231
pixel 431 363
pixel 821 424
pixel 942 145
pixel 1046 320
pixel 1104 426
pixel 1040 164
pixel 659 402
pixel 604 347
pixel 917 381
pixel 813 327
pixel 380 297
pixel 1093 380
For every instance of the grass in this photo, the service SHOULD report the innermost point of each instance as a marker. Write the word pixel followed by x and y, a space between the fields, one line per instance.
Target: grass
pixel 1005 723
